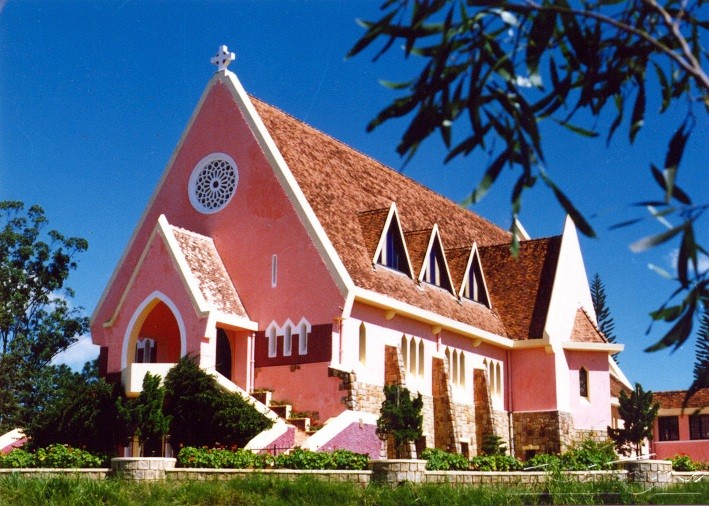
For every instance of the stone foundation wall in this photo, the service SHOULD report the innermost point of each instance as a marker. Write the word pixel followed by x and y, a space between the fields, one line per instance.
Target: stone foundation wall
pixel 537 431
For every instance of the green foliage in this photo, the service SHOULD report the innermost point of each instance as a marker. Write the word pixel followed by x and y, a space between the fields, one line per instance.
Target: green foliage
pixel 684 463
pixel 81 411
pixel 439 460
pixel 400 417
pixel 544 462
pixel 498 462
pixel 56 456
pixel 220 458
pixel 37 320
pixel 204 415
pixel 638 413
pixel 145 416
pixel 498 71
pixel 701 361
pixel 493 444
pixel 217 458
pixel 603 312
pixel 589 455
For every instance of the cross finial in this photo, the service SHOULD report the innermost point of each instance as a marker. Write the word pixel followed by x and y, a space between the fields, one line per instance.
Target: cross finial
pixel 223 58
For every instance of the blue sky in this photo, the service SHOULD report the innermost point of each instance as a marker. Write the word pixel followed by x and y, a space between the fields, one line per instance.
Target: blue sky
pixel 94 97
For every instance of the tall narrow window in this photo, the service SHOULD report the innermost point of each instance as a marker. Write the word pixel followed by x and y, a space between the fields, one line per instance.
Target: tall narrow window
pixel 461 381
pixel 287 341
pixel 362 344
pixel 475 285
pixel 583 382
pixel 498 380
pixel 393 254
pixel 274 271
pixel 435 270
pixel 272 340
pixel 421 362
pixel 405 352
pixel 454 372
pixel 303 339
pixel 412 356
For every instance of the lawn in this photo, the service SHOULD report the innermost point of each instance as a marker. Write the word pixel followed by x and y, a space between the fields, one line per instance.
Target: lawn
pixel 262 490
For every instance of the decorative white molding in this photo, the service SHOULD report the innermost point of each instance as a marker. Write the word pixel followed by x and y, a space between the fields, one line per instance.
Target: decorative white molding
pixel 223 58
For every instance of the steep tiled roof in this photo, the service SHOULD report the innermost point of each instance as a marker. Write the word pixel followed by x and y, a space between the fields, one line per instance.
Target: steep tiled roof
pixel 673 399
pixel 584 330
pixel 372 223
pixel 520 287
pixel 342 185
pixel 417 242
pixel 457 259
pixel 617 386
pixel 206 265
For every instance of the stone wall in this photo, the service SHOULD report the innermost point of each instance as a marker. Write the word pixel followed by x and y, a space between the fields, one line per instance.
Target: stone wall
pixel 537 432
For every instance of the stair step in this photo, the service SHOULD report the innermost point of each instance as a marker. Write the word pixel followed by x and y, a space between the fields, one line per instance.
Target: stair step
pixel 282 410
pixel 301 423
pixel 264 397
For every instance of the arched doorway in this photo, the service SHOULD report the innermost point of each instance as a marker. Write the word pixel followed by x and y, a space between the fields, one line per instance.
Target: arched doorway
pixel 157 338
pixel 223 364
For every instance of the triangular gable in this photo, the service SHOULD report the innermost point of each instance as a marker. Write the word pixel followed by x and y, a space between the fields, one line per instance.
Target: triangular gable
pixel 417 245
pixel 391 250
pixel 473 285
pixel 435 267
pixel 584 331
pixel 202 272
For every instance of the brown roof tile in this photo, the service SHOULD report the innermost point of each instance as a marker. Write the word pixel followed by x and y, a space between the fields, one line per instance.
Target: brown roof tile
pixel 520 287
pixel 457 259
pixel 371 224
pixel 329 171
pixel 417 243
pixel 673 399
pixel 585 331
pixel 207 266
pixel 617 386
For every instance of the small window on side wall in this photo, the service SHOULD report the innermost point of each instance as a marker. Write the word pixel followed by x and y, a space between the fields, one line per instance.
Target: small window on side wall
pixel 583 382
pixel 668 428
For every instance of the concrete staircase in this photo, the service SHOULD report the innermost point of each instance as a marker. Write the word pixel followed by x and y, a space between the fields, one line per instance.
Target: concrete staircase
pixel 285 411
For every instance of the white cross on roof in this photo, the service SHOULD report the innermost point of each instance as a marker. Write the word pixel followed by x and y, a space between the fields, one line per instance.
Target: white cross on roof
pixel 223 58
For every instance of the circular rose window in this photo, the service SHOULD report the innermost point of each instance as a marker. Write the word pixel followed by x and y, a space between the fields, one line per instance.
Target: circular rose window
pixel 213 183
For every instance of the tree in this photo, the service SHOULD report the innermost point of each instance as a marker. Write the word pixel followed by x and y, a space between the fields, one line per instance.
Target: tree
pixel 701 363
pixel 603 312
pixel 400 417
pixel 145 416
pixel 501 68
pixel 82 411
pixel 36 318
pixel 638 413
pixel 204 415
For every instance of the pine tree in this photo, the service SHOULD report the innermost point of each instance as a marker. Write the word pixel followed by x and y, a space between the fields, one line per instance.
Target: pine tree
pixel 701 361
pixel 603 312
pixel 638 413
pixel 400 417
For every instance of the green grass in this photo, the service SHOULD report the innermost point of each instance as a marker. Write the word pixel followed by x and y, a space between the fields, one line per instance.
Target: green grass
pixel 267 491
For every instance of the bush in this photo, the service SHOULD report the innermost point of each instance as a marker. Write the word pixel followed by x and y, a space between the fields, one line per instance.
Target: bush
pixel 589 454
pixel 56 456
pixel 203 415
pixel 439 460
pixel 684 463
pixel 216 458
pixel 543 462
pixel 495 463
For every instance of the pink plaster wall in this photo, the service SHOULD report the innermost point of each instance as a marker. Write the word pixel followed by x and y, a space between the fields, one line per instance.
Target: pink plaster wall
pixel 307 387
pixel 697 449
pixel 594 413
pixel 356 438
pixel 259 221
pixel 532 375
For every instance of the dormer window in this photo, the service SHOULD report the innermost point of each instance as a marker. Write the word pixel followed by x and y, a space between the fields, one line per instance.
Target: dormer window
pixel 474 282
pixel 392 249
pixel 436 273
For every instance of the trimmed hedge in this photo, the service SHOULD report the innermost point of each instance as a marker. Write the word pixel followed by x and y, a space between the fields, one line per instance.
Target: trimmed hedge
pixel 219 458
pixel 57 456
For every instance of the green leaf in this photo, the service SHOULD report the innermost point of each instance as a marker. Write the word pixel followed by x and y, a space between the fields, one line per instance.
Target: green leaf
pixel 580 222
pixel 576 129
pixel 638 117
pixel 654 240
pixel 539 36
pixel 491 174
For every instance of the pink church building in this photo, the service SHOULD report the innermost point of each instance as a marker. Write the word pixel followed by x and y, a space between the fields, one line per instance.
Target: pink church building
pixel 289 262
pixel 681 430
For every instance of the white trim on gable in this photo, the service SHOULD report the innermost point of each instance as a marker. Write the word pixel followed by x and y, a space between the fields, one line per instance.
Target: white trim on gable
pixel 156 295
pixel 290 186
pixel 475 256
pixel 436 238
pixel 393 216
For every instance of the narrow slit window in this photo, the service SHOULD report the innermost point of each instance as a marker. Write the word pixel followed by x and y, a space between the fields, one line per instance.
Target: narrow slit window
pixel 362 344
pixel 272 342
pixel 274 271
pixel 287 341
pixel 583 382
pixel 303 339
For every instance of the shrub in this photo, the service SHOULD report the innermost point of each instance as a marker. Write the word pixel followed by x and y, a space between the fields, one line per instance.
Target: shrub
pixel 16 459
pixel 439 460
pixel 203 415
pixel 684 463
pixel 495 463
pixel 347 460
pixel 544 462
pixel 217 458
pixel 493 444
pixel 589 454
pixel 400 417
pixel 56 456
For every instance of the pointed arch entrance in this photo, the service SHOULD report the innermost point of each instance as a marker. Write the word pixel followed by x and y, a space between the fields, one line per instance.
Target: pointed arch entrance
pixel 155 334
